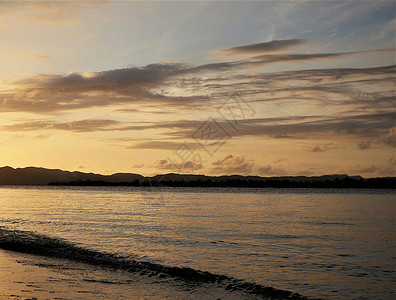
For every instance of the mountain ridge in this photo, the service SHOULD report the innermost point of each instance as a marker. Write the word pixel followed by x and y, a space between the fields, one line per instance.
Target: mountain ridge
pixel 43 176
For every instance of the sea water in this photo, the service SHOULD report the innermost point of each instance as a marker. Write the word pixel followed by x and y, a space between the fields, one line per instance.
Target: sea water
pixel 322 243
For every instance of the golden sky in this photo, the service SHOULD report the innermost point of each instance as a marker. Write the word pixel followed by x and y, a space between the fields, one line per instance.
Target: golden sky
pixel 252 88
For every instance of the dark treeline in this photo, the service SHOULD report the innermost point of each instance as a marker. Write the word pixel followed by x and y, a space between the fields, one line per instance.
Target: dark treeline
pixel 42 176
pixel 256 182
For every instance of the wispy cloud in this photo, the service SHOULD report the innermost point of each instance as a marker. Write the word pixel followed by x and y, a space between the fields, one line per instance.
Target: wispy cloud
pixel 159 145
pixel 266 47
pixel 158 83
pixel 302 127
pixel 51 93
pixel 87 125
pixel 135 110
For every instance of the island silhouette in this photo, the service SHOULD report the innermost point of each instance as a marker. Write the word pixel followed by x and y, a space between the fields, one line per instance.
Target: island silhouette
pixel 56 177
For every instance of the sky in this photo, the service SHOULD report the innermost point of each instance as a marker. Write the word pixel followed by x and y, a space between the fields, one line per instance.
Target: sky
pixel 268 88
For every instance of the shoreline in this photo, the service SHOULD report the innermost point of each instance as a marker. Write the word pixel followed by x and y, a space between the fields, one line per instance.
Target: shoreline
pixel 27 277
pixel 62 254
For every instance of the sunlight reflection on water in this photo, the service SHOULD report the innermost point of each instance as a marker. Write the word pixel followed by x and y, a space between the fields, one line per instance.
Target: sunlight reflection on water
pixel 333 244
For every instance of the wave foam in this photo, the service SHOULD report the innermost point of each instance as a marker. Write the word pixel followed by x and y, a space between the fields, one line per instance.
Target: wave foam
pixel 32 243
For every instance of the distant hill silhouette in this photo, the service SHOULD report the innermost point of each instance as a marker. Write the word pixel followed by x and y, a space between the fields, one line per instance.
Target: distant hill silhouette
pixel 35 176
pixel 42 176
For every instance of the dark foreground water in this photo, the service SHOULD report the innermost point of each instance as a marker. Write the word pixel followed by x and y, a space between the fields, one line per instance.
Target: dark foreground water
pixel 334 244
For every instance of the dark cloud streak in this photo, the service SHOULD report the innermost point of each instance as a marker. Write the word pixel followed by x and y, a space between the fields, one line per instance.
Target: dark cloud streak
pixel 364 125
pixel 44 94
pixel 266 47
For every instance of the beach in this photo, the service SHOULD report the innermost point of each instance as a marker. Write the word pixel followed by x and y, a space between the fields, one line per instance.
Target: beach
pixel 25 276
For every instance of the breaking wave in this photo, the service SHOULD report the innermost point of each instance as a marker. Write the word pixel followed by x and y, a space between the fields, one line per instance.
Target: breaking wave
pixel 32 243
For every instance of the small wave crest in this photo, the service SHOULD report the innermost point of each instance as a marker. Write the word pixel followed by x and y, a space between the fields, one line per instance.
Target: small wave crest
pixel 32 243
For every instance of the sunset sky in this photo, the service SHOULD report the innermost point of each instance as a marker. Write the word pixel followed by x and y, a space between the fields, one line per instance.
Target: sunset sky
pixel 253 88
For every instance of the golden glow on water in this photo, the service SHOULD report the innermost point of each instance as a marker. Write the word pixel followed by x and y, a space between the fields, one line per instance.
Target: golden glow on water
pixel 311 242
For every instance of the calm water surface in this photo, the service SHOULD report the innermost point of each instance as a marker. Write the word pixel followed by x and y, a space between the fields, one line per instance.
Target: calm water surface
pixel 335 244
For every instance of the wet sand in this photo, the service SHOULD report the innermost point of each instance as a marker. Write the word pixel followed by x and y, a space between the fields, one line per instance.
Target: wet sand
pixel 25 276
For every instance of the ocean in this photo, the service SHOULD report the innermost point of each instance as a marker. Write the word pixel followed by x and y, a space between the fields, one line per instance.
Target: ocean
pixel 206 242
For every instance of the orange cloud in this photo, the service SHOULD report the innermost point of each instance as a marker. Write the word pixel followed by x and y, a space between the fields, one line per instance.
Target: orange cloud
pixel 189 165
pixel 231 164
